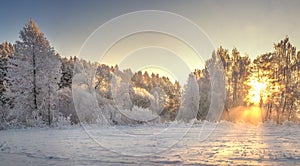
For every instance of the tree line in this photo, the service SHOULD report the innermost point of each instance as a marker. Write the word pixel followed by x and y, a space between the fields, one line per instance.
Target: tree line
pixel 36 82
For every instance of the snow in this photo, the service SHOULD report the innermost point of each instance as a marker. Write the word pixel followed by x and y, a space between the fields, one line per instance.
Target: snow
pixel 155 144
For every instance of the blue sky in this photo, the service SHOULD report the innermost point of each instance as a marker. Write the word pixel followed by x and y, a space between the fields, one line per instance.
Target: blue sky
pixel 251 26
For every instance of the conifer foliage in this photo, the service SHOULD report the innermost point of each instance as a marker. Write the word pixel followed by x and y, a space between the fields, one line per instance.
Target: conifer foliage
pixel 33 74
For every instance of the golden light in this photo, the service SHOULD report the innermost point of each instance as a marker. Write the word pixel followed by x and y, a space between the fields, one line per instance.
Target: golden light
pixel 251 114
pixel 257 91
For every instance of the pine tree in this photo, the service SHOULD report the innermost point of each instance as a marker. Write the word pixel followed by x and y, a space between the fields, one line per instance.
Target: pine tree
pixel 34 73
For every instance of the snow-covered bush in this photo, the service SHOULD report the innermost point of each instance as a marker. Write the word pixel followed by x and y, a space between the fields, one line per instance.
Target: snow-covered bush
pixel 62 121
pixel 37 121
pixel 85 104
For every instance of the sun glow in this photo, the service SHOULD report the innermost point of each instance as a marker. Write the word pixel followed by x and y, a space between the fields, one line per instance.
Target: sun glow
pixel 252 114
pixel 257 92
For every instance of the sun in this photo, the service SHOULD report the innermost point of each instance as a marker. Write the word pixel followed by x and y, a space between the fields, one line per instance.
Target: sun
pixel 256 92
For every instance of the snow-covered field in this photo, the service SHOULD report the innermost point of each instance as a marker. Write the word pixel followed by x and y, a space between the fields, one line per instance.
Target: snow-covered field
pixel 234 144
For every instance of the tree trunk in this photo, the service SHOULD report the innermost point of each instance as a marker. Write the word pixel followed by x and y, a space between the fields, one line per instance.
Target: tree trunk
pixel 49 106
pixel 277 116
pixel 270 111
pixel 284 106
pixel 261 108
pixel 34 80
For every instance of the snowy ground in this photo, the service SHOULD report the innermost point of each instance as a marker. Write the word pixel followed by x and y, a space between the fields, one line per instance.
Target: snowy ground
pixel 236 144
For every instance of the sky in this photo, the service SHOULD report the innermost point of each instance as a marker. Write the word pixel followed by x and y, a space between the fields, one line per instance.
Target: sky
pixel 251 26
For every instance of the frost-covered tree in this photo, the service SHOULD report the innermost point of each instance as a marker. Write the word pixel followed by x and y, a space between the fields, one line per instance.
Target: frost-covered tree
pixel 190 103
pixel 158 100
pixel 103 78
pixel 84 93
pixel 33 74
pixel 280 71
pixel 204 84
pixel 215 68
pixel 120 93
pixel 48 80
pixel 6 49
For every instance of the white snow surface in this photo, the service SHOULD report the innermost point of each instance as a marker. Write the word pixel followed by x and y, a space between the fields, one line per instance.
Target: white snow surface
pixel 156 144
